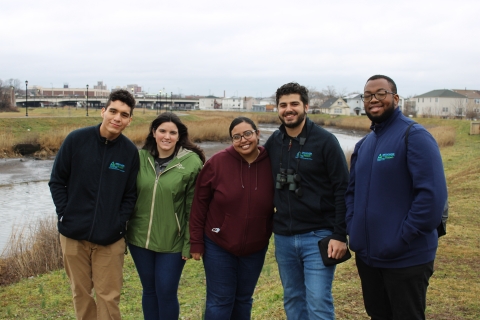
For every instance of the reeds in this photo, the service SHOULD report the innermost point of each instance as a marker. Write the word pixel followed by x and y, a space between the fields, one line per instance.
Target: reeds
pixel 445 136
pixel 31 250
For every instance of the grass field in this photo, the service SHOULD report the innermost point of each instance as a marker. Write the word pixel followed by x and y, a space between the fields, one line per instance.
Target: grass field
pixel 454 288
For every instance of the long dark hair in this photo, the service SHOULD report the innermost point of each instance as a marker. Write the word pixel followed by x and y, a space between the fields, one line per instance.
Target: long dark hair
pixel 183 139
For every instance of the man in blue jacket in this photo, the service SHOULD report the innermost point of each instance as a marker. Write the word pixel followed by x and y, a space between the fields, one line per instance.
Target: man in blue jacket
pixel 311 176
pixel 395 199
pixel 93 186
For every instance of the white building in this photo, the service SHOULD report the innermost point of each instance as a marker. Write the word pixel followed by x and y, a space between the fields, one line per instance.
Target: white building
pixel 232 103
pixel 210 103
pixel 441 103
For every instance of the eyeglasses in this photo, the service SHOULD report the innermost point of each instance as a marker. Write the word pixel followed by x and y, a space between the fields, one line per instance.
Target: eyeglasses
pixel 367 97
pixel 246 134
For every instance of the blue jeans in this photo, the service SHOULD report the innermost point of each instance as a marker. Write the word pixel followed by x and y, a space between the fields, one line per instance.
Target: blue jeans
pixel 159 274
pixel 307 283
pixel 231 281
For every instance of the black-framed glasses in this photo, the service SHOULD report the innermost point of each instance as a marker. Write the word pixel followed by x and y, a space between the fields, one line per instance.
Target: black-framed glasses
pixel 367 97
pixel 246 134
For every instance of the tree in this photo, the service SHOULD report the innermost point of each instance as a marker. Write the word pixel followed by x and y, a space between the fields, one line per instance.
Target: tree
pixel 6 94
pixel 315 97
pixel 330 92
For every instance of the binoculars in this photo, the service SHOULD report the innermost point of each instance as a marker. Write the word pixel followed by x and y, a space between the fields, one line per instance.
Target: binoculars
pixel 290 178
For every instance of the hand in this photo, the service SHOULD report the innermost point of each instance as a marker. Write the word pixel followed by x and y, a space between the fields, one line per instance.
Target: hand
pixel 185 258
pixel 336 249
pixel 196 256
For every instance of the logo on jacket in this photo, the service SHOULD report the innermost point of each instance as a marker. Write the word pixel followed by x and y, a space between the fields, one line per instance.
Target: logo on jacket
pixel 304 155
pixel 117 166
pixel 385 156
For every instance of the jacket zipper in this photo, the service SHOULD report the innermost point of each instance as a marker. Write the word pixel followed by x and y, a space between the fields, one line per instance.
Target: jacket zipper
pixel 153 200
pixel 98 191
pixel 288 193
pixel 366 206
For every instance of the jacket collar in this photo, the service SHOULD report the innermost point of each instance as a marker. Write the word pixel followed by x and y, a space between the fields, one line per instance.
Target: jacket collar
pixel 104 140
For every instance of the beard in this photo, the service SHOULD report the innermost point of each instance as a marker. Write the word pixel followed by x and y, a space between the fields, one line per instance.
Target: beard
pixel 295 124
pixel 388 111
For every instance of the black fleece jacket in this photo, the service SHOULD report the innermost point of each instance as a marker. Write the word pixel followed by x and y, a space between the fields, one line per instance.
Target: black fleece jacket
pixel 93 186
pixel 322 167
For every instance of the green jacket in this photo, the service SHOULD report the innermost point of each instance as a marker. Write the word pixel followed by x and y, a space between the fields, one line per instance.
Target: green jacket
pixel 160 219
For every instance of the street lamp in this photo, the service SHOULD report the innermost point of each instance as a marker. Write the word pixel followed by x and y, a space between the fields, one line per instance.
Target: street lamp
pixel 87 100
pixel 160 100
pixel 156 104
pixel 171 100
pixel 26 98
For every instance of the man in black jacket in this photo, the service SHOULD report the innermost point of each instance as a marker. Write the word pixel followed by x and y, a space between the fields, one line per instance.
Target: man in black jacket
pixel 311 176
pixel 93 186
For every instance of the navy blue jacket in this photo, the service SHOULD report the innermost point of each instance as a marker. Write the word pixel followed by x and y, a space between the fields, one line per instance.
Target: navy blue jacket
pixel 321 164
pixel 395 197
pixel 93 186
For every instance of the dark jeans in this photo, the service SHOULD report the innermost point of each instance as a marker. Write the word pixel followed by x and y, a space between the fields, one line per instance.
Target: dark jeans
pixel 397 293
pixel 159 274
pixel 231 281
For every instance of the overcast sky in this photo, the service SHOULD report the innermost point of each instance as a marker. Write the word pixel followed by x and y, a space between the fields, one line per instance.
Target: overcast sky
pixel 245 48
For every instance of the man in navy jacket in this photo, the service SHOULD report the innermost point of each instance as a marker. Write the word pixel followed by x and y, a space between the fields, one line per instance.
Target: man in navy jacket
pixel 93 186
pixel 395 199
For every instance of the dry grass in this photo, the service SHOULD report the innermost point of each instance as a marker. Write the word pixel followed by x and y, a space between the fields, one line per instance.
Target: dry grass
pixel 445 136
pixel 33 250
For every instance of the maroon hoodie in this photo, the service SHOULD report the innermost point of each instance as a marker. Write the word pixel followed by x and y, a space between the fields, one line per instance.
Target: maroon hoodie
pixel 233 203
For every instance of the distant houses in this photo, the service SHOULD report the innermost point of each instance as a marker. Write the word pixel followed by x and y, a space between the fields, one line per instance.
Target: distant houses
pixel 446 103
pixel 443 103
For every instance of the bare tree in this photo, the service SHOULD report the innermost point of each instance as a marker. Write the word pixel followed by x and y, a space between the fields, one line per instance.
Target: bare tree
pixel 330 92
pixel 459 106
pixel 6 93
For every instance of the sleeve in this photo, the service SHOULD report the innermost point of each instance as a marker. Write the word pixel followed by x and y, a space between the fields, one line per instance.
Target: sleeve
pixel 201 201
pixel 130 194
pixel 350 193
pixel 60 176
pixel 338 174
pixel 429 184
pixel 189 194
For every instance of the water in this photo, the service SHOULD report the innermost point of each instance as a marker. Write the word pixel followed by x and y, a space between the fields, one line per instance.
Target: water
pixel 25 195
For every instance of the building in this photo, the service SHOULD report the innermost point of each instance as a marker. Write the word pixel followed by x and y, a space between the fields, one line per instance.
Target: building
pixel 69 92
pixel 355 103
pixel 472 108
pixel 335 106
pixel 443 103
pixel 100 86
pixel 232 103
pixel 210 103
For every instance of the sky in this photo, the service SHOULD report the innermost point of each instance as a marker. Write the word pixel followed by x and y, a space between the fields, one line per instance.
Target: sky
pixel 241 48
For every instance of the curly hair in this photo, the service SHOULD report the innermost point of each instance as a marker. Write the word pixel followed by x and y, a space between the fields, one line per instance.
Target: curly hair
pixel 123 96
pixel 292 88
pixel 183 140
pixel 389 80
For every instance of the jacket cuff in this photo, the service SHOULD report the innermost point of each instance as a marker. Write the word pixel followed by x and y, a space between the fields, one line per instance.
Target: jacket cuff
pixel 197 248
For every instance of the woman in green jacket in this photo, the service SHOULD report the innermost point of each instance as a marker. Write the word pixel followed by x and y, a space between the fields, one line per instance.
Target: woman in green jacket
pixel 158 234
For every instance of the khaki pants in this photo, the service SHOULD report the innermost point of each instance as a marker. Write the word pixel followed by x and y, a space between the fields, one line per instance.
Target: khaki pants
pixel 90 266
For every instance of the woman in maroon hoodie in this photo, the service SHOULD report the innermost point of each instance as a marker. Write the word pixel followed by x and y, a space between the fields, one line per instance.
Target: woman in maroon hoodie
pixel 231 221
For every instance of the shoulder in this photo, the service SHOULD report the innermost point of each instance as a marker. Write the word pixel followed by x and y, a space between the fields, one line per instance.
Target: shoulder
pixel 317 131
pixel 190 158
pixel 270 141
